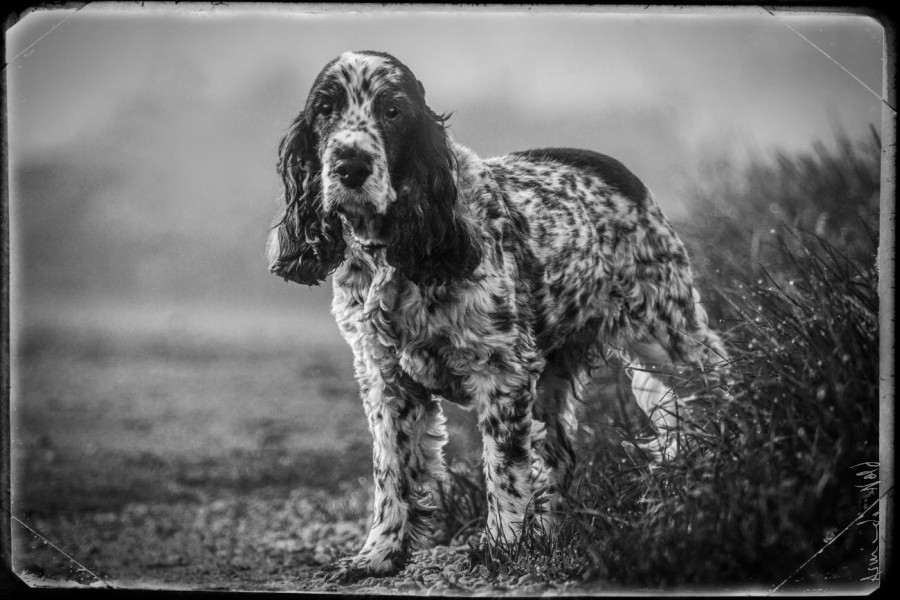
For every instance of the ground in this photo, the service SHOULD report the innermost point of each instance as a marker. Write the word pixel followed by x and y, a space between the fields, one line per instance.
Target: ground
pixel 165 451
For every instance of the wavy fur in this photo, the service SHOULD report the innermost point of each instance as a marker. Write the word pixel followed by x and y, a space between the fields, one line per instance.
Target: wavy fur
pixel 308 243
pixel 496 284
pixel 435 242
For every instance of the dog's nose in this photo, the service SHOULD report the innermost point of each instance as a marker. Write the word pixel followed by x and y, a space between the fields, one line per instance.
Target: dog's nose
pixel 353 172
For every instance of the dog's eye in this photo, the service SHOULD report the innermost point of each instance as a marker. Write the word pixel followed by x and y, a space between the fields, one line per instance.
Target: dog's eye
pixel 326 108
pixel 391 112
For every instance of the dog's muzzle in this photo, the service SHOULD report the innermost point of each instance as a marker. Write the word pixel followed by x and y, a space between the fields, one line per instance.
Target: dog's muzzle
pixel 353 172
pixel 354 193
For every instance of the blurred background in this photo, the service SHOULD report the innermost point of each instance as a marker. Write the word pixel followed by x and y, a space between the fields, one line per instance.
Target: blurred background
pixel 149 341
pixel 142 142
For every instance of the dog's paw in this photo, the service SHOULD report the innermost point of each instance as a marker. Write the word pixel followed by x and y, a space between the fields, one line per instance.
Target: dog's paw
pixel 346 570
pixel 353 568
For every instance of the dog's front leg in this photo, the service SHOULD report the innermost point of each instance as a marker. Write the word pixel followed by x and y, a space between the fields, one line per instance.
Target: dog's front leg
pixel 408 431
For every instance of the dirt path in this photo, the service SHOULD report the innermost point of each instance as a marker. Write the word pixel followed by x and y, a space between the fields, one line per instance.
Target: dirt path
pixel 166 461
pixel 264 541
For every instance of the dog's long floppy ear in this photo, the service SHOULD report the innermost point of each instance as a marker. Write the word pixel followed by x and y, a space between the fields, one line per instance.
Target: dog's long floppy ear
pixel 433 241
pixel 305 244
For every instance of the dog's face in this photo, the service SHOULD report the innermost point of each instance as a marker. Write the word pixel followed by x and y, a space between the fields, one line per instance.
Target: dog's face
pixel 362 107
pixel 367 162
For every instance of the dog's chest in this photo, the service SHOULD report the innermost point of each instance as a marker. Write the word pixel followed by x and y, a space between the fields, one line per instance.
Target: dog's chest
pixel 436 341
pixel 444 338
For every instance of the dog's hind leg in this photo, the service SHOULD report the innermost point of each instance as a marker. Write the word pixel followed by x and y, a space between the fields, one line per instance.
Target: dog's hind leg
pixel 559 384
pixel 666 375
pixel 653 383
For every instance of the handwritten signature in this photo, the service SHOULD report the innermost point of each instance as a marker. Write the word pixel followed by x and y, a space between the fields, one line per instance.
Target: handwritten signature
pixel 868 474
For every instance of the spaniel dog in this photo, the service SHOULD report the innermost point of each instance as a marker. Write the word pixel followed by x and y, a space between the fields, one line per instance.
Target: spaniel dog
pixel 492 283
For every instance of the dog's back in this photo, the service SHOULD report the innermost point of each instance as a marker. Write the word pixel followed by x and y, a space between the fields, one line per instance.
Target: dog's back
pixel 603 256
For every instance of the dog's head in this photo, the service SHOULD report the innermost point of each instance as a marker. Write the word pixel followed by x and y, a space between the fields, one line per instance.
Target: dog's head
pixel 367 163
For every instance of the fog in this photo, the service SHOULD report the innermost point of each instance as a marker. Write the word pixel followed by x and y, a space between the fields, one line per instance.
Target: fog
pixel 142 141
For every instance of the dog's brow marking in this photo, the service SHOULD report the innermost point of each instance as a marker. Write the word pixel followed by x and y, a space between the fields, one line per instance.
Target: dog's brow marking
pixel 363 75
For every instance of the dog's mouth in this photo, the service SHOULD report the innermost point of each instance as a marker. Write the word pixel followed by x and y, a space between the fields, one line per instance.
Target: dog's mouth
pixel 366 226
pixel 371 247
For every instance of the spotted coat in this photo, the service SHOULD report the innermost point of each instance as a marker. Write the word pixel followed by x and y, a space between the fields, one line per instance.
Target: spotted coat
pixel 491 283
